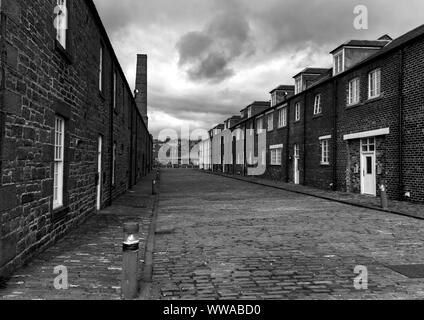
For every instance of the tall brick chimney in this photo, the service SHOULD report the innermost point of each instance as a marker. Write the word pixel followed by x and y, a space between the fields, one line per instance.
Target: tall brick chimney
pixel 141 86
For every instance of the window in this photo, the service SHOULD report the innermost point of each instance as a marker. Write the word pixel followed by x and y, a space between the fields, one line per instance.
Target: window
pixel 353 97
pixel 249 112
pixel 297 112
pixel 374 84
pixel 61 22
pixel 259 125
pixel 368 145
pixel 270 122
pixel 114 164
pixel 317 105
pixel 101 69
pixel 339 62
pixel 325 152
pixel 274 98
pixel 59 141
pixel 276 152
pixel 114 90
pixel 282 118
pixel 298 85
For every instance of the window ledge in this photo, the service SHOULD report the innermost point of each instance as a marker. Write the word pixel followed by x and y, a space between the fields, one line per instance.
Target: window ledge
pixel 374 99
pixel 319 115
pixel 63 52
pixel 59 214
pixel 353 105
pixel 325 164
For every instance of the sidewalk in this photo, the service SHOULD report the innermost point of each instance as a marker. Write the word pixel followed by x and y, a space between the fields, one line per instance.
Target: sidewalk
pixel 92 254
pixel 395 207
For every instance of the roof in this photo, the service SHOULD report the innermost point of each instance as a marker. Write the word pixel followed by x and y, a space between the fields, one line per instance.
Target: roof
pixel 377 44
pixel 312 71
pixel 283 87
pixel 258 103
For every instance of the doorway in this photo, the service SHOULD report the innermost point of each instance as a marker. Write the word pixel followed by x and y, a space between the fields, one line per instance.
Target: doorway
pixel 296 158
pixel 368 167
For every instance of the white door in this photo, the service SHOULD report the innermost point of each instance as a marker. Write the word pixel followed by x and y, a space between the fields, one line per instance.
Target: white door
pixel 368 167
pixel 99 172
pixel 296 164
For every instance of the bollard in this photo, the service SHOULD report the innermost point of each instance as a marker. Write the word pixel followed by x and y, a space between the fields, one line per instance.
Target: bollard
pixel 130 249
pixel 154 187
pixel 158 175
pixel 384 202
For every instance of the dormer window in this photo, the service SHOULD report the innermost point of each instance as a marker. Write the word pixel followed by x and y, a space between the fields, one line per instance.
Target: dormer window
pixel 274 98
pixel 298 85
pixel 339 64
pixel 249 112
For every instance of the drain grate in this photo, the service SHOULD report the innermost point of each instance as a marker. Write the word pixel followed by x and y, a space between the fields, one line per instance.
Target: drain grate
pixel 412 271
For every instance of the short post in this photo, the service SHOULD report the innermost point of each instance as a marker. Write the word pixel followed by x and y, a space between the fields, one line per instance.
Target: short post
pixel 130 260
pixel 383 195
pixel 158 175
pixel 154 187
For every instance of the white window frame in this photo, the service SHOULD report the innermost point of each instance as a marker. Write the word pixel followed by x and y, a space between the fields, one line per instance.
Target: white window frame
pixel 339 62
pixel 354 92
pixel 325 151
pixel 297 111
pixel 114 164
pixel 273 98
pixel 317 105
pixel 298 85
pixel 374 84
pixel 61 11
pixel 270 118
pixel 249 112
pixel 276 155
pixel 59 162
pixel 101 68
pixel 282 117
pixel 115 87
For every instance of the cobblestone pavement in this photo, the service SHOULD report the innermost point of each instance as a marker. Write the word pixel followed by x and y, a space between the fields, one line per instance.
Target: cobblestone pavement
pixel 92 253
pixel 219 238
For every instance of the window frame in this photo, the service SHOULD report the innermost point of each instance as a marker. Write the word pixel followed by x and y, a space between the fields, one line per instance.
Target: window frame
pixel 317 104
pixel 339 66
pixel 282 117
pixel 325 151
pixel 101 68
pixel 297 112
pixel 276 155
pixel 354 92
pixel 59 162
pixel 298 85
pixel 270 121
pixel 115 90
pixel 376 81
pixel 62 33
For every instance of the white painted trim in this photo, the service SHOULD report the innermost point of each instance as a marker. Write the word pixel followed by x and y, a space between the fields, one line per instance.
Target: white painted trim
pixel 277 146
pixel 282 107
pixel 367 134
pixel 269 112
pixel 325 137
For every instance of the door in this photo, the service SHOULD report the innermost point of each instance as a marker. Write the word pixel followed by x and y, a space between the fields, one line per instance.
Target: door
pixel 296 164
pixel 99 172
pixel 368 167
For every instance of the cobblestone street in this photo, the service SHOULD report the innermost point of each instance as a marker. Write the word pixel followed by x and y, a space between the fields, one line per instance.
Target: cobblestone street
pixel 219 238
pixel 92 254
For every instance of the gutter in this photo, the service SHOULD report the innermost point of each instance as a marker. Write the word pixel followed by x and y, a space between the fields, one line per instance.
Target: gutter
pixel 401 119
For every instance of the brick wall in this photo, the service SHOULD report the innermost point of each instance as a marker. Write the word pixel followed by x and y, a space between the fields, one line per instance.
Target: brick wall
pixel 43 80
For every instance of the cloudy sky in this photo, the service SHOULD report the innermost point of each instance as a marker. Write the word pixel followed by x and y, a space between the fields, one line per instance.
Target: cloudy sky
pixel 208 59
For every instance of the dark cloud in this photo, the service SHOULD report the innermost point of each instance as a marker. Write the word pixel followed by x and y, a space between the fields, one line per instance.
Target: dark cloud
pixel 208 54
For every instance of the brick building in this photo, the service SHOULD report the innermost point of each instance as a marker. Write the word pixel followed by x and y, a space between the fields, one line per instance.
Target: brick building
pixel 72 137
pixel 352 128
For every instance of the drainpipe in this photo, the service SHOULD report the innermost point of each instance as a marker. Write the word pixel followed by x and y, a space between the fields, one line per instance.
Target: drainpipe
pixel 3 58
pixel 131 147
pixel 288 144
pixel 245 149
pixel 401 117
pixel 111 144
pixel 335 136
pixel 304 137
